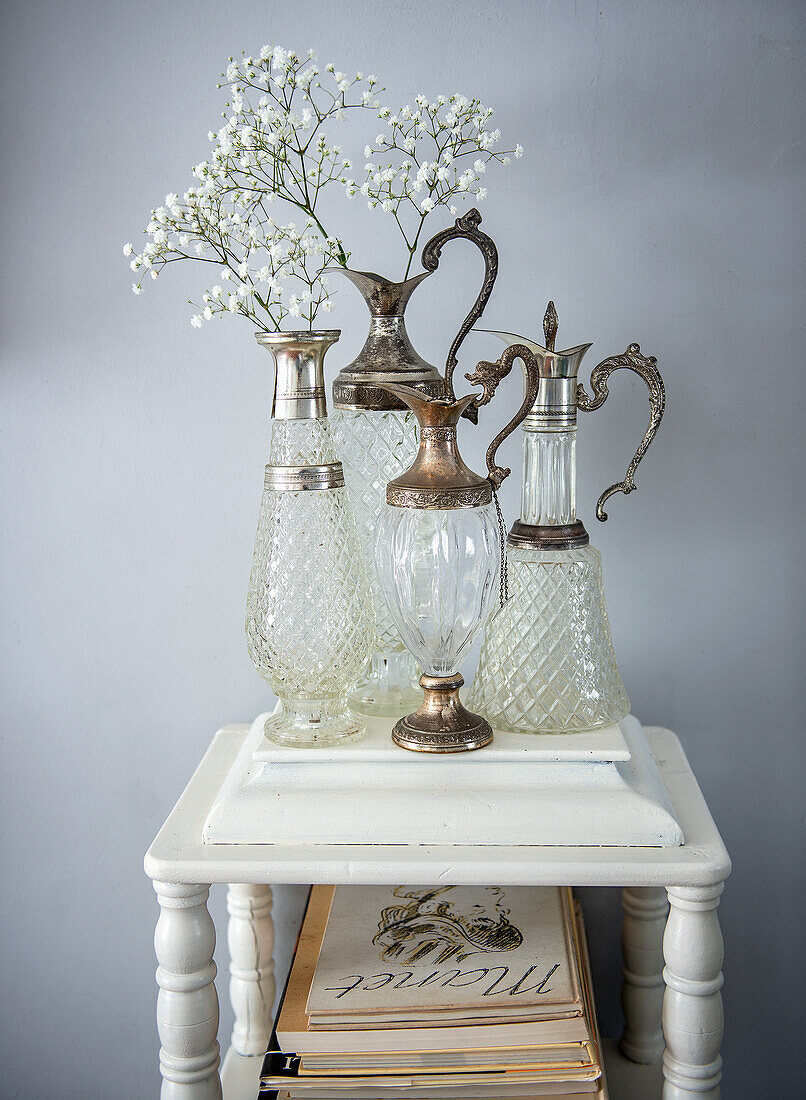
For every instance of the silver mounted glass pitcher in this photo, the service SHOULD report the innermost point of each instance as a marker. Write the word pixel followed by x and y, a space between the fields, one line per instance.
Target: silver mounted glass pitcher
pixel 547 663
pixel 376 437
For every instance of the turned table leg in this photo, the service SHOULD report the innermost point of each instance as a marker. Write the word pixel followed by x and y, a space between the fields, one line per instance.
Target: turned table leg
pixel 250 937
pixel 187 1005
pixel 692 1003
pixel 645 909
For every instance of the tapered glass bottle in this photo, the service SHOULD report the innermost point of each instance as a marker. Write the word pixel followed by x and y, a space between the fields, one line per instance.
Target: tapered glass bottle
pixel 309 619
pixel 547 664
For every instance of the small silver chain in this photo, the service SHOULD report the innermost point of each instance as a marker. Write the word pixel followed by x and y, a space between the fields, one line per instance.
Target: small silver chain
pixel 503 594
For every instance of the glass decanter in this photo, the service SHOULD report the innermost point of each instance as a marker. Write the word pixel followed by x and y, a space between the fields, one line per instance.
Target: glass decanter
pixel 438 557
pixel 547 664
pixel 376 437
pixel 309 619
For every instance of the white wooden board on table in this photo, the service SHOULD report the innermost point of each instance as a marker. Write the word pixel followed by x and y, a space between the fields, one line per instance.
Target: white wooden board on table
pixel 576 789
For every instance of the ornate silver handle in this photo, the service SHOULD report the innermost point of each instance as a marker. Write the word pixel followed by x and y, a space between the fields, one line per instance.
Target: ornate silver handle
pixel 647 368
pixel 488 375
pixel 468 227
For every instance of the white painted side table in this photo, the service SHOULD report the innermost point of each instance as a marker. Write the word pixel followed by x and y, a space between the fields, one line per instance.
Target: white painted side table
pixel 644 777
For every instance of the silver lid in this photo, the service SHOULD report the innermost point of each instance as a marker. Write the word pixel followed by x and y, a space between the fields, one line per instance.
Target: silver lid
pixel 295 479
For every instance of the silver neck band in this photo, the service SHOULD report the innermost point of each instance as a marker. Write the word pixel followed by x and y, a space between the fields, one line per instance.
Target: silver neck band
pixel 296 479
pixel 555 407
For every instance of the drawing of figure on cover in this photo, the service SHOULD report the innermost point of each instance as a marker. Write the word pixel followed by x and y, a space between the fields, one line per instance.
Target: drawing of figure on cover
pixel 447 922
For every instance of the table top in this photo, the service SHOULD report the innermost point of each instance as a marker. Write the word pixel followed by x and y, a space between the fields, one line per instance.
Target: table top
pixel 178 854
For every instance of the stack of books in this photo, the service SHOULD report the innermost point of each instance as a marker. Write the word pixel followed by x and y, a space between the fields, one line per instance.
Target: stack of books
pixel 445 991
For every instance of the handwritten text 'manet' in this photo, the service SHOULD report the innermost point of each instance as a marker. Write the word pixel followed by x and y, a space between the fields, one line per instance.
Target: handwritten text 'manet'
pixel 448 979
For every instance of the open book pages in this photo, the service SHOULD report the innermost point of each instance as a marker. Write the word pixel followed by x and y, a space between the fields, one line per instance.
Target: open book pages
pixel 296 1035
pixel 412 954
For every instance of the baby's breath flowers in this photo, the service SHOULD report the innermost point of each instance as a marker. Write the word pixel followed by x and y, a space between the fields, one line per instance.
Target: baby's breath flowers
pixel 440 151
pixel 292 255
pixel 272 146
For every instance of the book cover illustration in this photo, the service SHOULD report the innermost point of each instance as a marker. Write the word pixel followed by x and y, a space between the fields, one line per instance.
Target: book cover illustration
pixel 445 922
pixel 425 948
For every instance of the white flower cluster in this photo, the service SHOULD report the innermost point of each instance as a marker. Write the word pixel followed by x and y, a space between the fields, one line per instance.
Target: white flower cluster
pixel 439 151
pixel 293 259
pixel 272 145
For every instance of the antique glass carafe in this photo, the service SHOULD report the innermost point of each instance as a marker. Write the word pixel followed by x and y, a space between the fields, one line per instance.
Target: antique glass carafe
pixel 376 437
pixel 438 557
pixel 309 619
pixel 547 663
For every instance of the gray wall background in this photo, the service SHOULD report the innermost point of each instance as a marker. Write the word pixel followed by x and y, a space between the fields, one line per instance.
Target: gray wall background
pixel 660 200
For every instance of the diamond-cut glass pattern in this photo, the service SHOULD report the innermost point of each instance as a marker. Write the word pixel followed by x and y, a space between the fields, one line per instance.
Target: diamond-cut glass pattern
pixel 374 448
pixel 547 664
pixel 302 442
pixel 309 622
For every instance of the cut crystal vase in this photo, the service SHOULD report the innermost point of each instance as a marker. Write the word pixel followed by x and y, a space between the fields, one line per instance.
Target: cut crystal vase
pixel 309 618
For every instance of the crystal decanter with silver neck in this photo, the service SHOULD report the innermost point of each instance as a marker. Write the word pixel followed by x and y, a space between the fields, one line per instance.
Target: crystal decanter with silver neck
pixel 547 663
pixel 376 437
pixel 309 619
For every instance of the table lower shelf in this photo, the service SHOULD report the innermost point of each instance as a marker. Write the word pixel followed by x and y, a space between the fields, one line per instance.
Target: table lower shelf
pixel 625 1080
